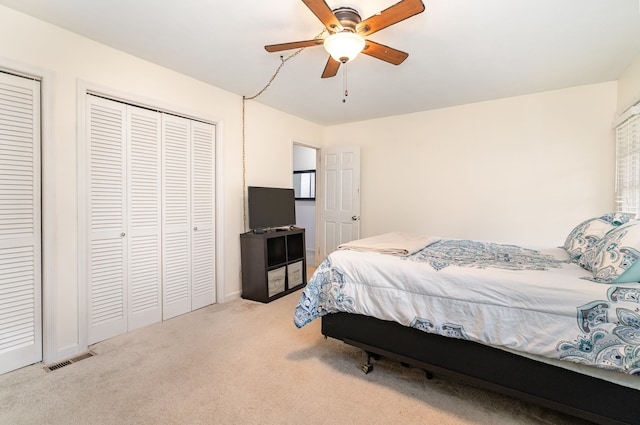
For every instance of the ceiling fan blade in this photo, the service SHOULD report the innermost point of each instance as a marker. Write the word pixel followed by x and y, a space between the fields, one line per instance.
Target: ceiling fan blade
pixel 391 15
pixel 385 53
pixel 325 14
pixel 331 68
pixel 293 45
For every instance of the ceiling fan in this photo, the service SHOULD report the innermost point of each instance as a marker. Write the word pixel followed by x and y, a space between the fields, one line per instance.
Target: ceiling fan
pixel 347 31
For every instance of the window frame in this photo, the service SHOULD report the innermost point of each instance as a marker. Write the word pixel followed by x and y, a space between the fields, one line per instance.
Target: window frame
pixel 627 178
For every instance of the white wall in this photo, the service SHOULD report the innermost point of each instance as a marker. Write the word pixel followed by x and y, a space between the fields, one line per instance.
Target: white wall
pixel 66 60
pixel 523 169
pixel 629 86
pixel 271 134
pixel 304 158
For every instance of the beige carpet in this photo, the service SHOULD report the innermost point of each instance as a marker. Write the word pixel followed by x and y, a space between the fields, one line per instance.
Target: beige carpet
pixel 245 363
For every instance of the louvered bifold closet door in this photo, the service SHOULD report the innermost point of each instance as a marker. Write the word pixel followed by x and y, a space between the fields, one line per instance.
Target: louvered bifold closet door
pixel 203 214
pixel 176 240
pixel 107 258
pixel 20 258
pixel 144 217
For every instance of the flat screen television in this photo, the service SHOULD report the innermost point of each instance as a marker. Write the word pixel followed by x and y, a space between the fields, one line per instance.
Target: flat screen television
pixel 270 207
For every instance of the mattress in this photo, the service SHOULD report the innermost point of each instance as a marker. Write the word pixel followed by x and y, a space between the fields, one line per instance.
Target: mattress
pixel 530 301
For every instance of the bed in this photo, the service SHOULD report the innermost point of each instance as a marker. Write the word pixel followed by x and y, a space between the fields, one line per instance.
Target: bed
pixel 556 326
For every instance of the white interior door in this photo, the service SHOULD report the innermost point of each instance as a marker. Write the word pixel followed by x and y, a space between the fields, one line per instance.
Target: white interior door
pixel 144 217
pixel 203 214
pixel 124 218
pixel 340 223
pixel 150 216
pixel 107 205
pixel 20 223
pixel 176 241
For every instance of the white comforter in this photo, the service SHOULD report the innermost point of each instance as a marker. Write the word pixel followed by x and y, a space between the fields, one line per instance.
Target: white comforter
pixel 530 301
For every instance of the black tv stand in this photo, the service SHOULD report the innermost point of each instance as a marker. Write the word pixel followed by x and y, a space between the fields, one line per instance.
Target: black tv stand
pixel 273 263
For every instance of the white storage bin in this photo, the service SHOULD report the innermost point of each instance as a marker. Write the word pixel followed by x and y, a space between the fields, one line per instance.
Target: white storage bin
pixel 276 280
pixel 295 273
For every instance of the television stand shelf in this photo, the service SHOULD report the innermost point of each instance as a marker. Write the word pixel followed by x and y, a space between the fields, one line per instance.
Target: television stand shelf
pixel 273 263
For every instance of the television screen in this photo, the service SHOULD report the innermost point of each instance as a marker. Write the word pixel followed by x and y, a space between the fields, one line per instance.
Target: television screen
pixel 270 207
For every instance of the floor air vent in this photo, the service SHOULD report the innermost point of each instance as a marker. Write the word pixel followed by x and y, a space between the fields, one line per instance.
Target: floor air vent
pixel 64 363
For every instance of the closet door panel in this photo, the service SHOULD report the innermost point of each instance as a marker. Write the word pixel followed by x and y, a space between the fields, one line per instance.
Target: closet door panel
pixel 20 233
pixel 144 241
pixel 203 214
pixel 107 258
pixel 176 216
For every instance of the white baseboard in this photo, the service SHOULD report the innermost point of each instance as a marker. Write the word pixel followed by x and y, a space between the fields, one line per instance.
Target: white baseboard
pixel 230 297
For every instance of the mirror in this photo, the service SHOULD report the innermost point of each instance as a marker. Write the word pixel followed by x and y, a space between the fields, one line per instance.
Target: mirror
pixel 304 184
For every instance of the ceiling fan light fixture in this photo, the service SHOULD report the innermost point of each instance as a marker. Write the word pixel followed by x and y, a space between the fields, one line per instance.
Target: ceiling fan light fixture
pixel 344 46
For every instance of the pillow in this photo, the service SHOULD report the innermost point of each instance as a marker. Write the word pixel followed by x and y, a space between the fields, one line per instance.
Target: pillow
pixel 616 259
pixel 588 257
pixel 618 218
pixel 632 275
pixel 586 235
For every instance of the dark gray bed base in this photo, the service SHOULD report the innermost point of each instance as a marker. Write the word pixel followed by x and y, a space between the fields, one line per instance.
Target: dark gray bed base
pixel 550 386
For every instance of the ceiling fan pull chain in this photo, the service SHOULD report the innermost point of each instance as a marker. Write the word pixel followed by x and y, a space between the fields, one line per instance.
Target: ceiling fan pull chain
pixel 344 83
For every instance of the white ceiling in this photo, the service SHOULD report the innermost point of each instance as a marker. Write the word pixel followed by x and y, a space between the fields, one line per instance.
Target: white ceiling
pixel 460 51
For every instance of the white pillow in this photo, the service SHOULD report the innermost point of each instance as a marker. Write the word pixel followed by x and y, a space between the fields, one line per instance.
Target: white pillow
pixel 587 234
pixel 616 255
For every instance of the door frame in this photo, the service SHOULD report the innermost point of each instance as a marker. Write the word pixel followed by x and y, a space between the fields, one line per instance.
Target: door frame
pixel 87 87
pixel 316 211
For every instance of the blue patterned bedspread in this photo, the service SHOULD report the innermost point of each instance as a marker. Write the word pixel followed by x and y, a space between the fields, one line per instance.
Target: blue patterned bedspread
pixel 525 300
pixel 466 253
